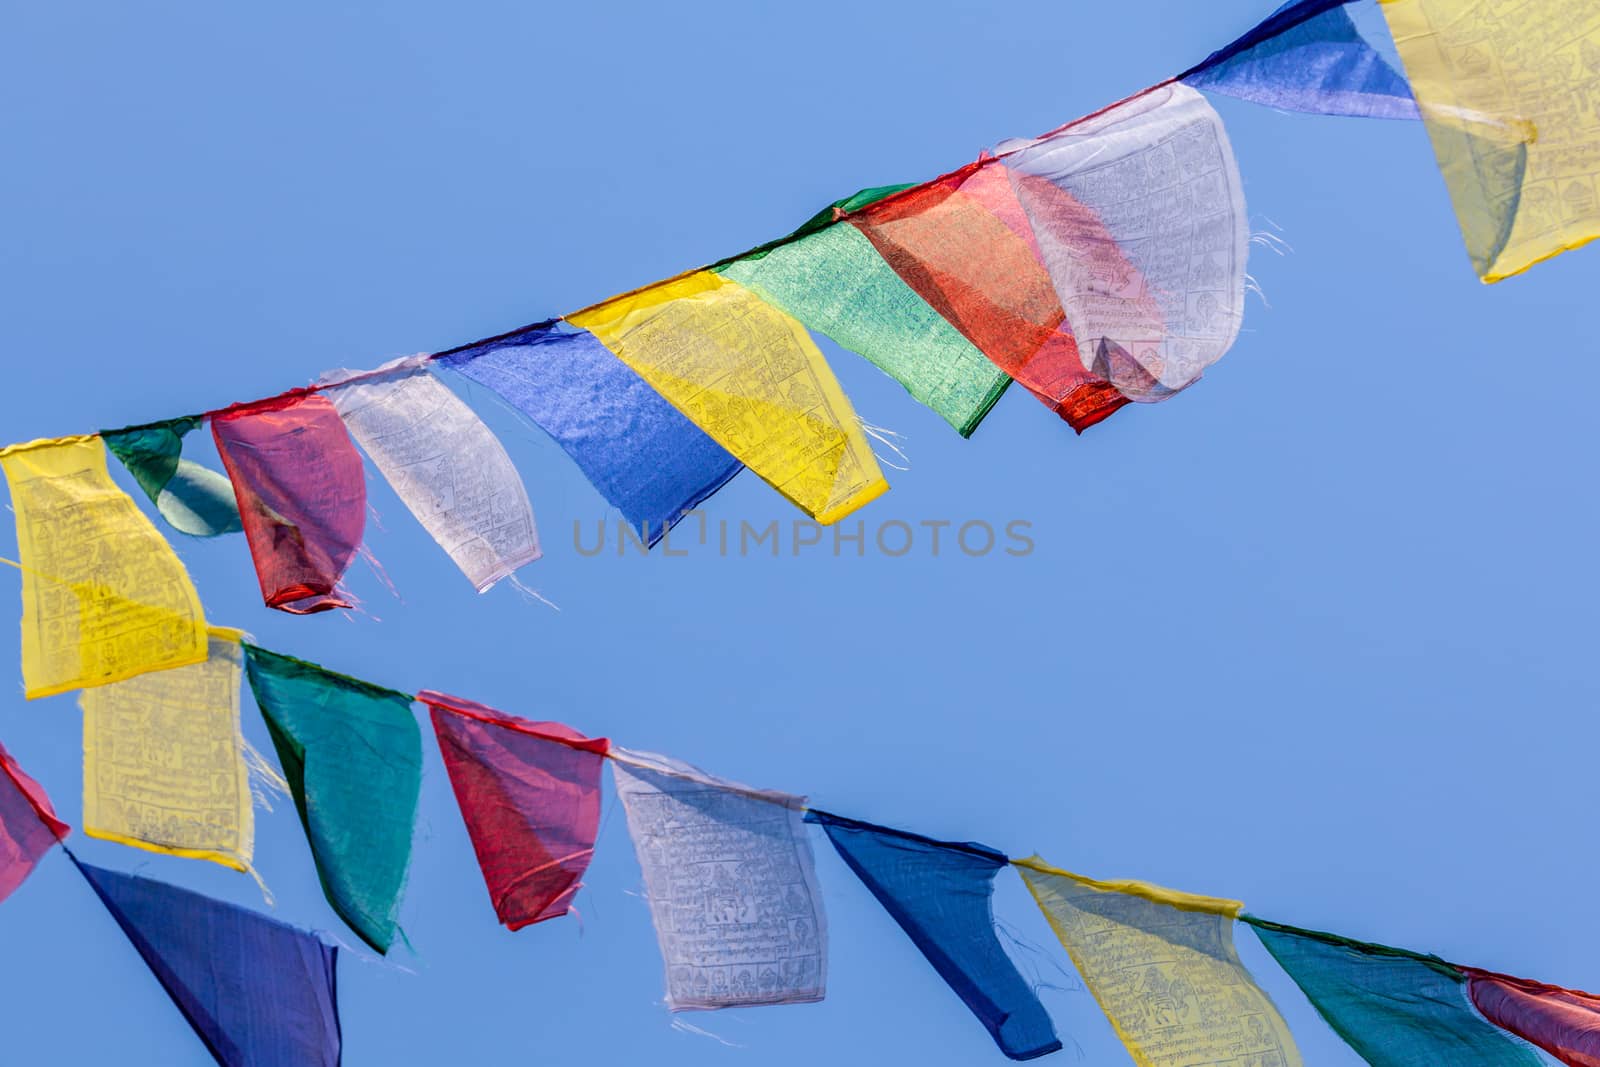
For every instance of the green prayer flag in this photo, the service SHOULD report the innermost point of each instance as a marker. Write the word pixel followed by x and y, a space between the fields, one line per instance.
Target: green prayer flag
pixel 832 279
pixel 352 754
pixel 194 499
pixel 1395 1008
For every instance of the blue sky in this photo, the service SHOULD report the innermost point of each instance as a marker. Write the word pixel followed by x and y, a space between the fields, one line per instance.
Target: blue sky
pixel 1316 634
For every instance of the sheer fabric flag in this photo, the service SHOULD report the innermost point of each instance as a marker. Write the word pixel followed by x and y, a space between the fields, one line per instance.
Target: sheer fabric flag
pixel 1163 967
pixel 832 279
pixel 257 992
pixel 732 887
pixel 940 894
pixel 530 795
pixel 104 597
pixel 28 825
pixel 1140 219
pixel 1563 1022
pixel 1395 1008
pixel 302 496
pixel 444 463
pixel 352 755
pixel 963 244
pixel 1309 55
pixel 1508 93
pixel 752 378
pixel 192 498
pixel 163 760
pixel 648 460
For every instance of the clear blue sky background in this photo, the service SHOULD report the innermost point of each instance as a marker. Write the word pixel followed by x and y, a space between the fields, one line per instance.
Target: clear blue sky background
pixel 1318 634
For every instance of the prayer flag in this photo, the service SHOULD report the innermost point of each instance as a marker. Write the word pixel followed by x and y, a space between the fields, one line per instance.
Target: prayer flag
pixel 302 496
pixel 194 499
pixel 940 893
pixel 648 460
pixel 1509 96
pixel 1309 55
pixel 163 760
pixel 104 597
pixel 829 276
pixel 258 992
pixel 530 795
pixel 751 377
pixel 1563 1022
pixel 1163 967
pixel 444 463
pixel 731 883
pixel 352 755
pixel 28 825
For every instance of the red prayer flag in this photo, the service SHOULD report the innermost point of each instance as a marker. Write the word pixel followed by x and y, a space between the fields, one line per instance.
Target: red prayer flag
pixel 1563 1022
pixel 530 795
pixel 28 825
pixel 965 245
pixel 302 495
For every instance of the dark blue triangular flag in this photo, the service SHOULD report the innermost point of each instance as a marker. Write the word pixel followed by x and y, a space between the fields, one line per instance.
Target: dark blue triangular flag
pixel 258 992
pixel 939 891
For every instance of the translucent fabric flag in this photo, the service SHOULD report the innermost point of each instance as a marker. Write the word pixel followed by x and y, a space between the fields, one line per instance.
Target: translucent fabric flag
pixel 648 461
pixel 444 463
pixel 732 887
pixel 832 279
pixel 164 760
pixel 1163 967
pixel 530 795
pixel 258 992
pixel 1140 219
pixel 352 755
pixel 964 245
pixel 1309 55
pixel 1563 1022
pixel 194 499
pixel 302 496
pixel 1509 96
pixel 940 893
pixel 752 378
pixel 1395 1008
pixel 104 597
pixel 28 825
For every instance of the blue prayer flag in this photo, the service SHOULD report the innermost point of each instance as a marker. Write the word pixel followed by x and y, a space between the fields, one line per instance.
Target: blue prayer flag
pixel 939 892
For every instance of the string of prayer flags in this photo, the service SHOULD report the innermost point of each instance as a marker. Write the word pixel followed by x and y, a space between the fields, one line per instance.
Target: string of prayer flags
pixel 731 882
pixel 302 496
pixel 192 498
pixel 530 795
pixel 1395 1008
pixel 1507 95
pixel 447 466
pixel 1140 220
pixel 352 755
pixel 164 760
pixel 752 378
pixel 258 992
pixel 832 280
pixel 1163 968
pixel 28 825
pixel 104 597
pixel 1309 55
pixel 963 244
pixel 940 893
pixel 647 460
pixel 1563 1022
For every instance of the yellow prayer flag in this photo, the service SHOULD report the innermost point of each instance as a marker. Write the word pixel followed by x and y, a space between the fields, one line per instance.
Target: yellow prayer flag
pixel 1510 93
pixel 104 597
pixel 1163 967
pixel 751 378
pixel 164 760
